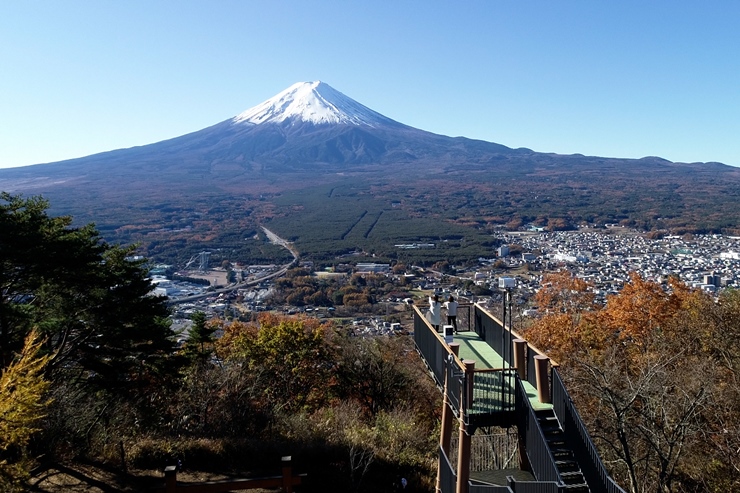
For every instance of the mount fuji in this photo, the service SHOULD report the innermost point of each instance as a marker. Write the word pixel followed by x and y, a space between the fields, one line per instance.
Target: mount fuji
pixel 310 126
pixel 311 135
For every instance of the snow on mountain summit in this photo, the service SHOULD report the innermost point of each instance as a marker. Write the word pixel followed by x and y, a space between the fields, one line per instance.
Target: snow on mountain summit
pixel 312 102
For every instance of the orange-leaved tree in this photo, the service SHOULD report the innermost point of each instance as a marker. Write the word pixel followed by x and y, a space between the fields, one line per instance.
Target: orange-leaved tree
pixel 291 358
pixel 567 306
pixel 652 374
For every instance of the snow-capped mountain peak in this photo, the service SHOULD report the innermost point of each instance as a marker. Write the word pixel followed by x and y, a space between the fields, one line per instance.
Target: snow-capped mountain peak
pixel 312 102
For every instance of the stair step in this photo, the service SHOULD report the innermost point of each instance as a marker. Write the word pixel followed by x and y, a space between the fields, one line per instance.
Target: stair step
pixel 562 453
pixel 576 488
pixel 549 427
pixel 573 478
pixel 555 442
pixel 565 466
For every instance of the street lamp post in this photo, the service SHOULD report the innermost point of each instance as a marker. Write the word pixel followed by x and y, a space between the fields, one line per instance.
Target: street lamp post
pixel 506 285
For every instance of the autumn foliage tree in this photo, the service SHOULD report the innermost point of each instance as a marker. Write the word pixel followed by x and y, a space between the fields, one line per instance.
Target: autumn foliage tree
pixel 568 308
pixel 654 375
pixel 290 357
pixel 23 404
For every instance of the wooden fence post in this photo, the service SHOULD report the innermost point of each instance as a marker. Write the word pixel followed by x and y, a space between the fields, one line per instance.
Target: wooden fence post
pixel 170 479
pixel 542 373
pixel 287 474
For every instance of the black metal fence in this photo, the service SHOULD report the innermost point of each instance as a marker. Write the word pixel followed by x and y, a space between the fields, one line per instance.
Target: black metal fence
pixel 538 451
pixel 577 437
pixel 447 476
pixel 431 346
pixel 440 359
pixel 490 452
pixel 464 318
pixel 503 391
pixel 493 391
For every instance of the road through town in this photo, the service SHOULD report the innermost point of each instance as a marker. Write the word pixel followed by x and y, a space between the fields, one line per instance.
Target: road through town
pixel 252 282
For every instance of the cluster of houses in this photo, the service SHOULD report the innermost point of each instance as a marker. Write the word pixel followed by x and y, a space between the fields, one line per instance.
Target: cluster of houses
pixel 709 262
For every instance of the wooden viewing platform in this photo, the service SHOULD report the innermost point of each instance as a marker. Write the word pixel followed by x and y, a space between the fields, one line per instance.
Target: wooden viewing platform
pixel 473 347
pixel 491 377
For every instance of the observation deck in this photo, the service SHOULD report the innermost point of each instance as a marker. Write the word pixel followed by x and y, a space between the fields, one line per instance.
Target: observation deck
pixel 491 377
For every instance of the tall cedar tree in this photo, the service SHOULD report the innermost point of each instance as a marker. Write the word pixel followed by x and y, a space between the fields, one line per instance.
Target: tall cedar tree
pixel 200 341
pixel 89 300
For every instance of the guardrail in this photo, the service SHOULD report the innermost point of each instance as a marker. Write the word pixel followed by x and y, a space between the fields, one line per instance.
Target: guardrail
pixel 502 390
pixel 538 452
pixel 578 438
pixel 493 391
pixel 431 346
pixel 447 476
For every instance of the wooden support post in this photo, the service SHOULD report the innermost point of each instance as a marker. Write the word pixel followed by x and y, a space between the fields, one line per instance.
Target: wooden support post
pixel 287 474
pixel 469 382
pixel 170 479
pixel 463 451
pixel 542 366
pixel 520 363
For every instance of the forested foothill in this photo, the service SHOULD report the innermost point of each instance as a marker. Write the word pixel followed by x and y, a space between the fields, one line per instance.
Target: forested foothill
pixel 454 206
pixel 90 372
pixel 654 374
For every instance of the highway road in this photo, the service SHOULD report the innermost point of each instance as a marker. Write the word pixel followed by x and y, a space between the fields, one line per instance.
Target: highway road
pixel 253 282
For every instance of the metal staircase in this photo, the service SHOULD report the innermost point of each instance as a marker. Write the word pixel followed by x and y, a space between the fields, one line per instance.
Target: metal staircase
pixel 555 446
pixel 565 459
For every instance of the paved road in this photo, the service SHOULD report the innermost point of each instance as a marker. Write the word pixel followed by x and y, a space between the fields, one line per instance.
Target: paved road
pixel 274 239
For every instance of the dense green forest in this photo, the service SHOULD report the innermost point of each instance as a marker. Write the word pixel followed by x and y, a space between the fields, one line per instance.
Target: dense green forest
pixel 455 207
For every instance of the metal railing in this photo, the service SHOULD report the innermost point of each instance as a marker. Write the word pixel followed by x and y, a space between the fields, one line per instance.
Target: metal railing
pixel 490 452
pixel 493 391
pixel 431 346
pixel 487 488
pixel 447 476
pixel 464 318
pixel 578 439
pixel 538 451
pixel 491 330
pixel 501 390
pixel 440 359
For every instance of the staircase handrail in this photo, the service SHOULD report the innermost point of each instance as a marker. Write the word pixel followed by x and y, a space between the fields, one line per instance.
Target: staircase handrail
pixel 539 454
pixel 579 439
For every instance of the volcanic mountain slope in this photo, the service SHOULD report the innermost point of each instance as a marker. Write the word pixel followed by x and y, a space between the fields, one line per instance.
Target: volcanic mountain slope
pixel 308 127
pixel 312 137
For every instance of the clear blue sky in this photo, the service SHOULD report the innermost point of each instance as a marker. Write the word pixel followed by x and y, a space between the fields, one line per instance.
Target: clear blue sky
pixel 622 79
